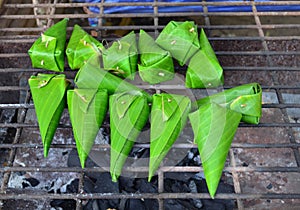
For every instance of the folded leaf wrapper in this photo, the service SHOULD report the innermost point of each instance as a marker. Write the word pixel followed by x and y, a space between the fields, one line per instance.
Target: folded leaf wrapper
pixel 129 112
pixel 169 114
pixel 81 47
pixel 245 99
pixel 87 108
pixel 48 51
pixel 204 69
pixel 156 64
pixel 214 127
pixel 91 76
pixel 48 94
pixel 122 56
pixel 180 39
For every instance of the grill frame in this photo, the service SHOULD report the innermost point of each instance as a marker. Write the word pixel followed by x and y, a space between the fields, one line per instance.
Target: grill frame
pixel 293 143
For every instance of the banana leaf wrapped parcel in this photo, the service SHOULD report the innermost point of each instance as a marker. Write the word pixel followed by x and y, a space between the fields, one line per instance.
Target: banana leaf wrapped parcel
pixel 87 108
pixel 129 112
pixel 92 76
pixel 48 51
pixel 156 63
pixel 204 69
pixel 122 56
pixel 215 123
pixel 48 94
pixel 180 39
pixel 81 47
pixel 169 115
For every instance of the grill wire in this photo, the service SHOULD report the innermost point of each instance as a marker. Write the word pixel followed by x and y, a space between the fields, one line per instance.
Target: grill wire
pixel 254 46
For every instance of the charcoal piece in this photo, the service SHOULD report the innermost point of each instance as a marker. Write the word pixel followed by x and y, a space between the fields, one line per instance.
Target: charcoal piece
pixel 63 204
pixel 127 184
pixel 179 204
pixel 193 187
pixel 184 177
pixel 33 182
pixel 101 183
pixel 73 186
pixel 175 186
pixel 135 204
pixel 144 186
pixel 216 203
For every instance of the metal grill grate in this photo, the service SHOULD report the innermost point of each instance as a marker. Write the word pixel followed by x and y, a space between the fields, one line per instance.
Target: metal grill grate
pixel 252 46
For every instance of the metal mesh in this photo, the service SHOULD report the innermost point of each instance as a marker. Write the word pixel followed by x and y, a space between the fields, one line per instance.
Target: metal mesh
pixel 254 46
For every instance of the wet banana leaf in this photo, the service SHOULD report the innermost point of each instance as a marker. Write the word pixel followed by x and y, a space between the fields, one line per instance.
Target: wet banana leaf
pixel 48 94
pixel 121 58
pixel 156 64
pixel 204 69
pixel 129 112
pixel 81 47
pixel 245 99
pixel 169 114
pixel 214 127
pixel 48 51
pixel 87 108
pixel 180 39
pixel 92 76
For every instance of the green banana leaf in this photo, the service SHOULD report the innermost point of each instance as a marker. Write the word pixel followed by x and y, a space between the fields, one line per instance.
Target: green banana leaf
pixel 92 76
pixel 129 112
pixel 204 69
pixel 121 58
pixel 169 114
pixel 245 99
pixel 180 39
pixel 81 47
pixel 156 64
pixel 87 108
pixel 48 51
pixel 48 94
pixel 214 127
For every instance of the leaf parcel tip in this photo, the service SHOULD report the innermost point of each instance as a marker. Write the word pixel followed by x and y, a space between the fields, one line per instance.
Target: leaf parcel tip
pixel 87 108
pixel 169 114
pixel 204 69
pixel 129 112
pixel 245 99
pixel 81 47
pixel 122 56
pixel 156 63
pixel 48 93
pixel 180 39
pixel 214 128
pixel 48 51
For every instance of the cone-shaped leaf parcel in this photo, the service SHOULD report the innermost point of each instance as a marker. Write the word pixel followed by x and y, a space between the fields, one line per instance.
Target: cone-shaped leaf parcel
pixel 91 76
pixel 87 108
pixel 81 47
pixel 48 51
pixel 156 63
pixel 169 114
pixel 48 93
pixel 121 57
pixel 215 123
pixel 129 112
pixel 214 127
pixel 180 39
pixel 245 99
pixel 204 69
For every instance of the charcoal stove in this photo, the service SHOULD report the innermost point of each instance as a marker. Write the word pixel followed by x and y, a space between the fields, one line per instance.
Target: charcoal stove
pixel 255 41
